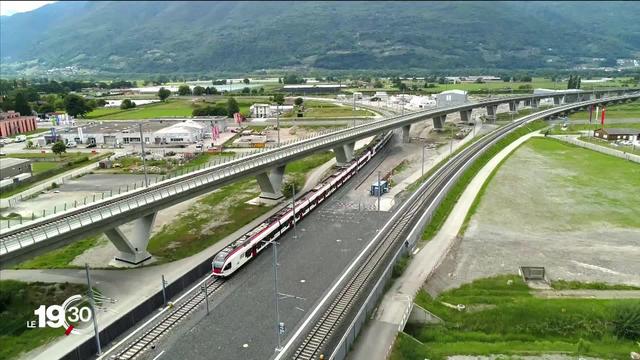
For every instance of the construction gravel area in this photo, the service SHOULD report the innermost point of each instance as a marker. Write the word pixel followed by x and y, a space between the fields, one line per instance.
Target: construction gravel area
pixel 528 217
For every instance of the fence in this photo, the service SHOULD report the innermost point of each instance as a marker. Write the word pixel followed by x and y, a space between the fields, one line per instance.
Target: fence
pixel 598 148
pixel 107 334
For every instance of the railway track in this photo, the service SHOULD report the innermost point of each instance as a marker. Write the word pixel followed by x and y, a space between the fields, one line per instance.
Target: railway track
pixel 319 337
pixel 148 339
pixel 110 211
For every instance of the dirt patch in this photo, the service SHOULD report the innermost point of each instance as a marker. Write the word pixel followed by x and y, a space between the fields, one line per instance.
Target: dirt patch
pixel 534 214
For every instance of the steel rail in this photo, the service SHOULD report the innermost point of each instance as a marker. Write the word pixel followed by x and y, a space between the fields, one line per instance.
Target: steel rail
pixel 168 189
pixel 320 334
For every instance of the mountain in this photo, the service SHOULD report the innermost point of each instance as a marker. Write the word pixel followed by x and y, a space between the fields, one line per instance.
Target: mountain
pixel 172 37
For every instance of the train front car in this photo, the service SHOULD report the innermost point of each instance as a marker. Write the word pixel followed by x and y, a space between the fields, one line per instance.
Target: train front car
pixel 237 254
pixel 218 263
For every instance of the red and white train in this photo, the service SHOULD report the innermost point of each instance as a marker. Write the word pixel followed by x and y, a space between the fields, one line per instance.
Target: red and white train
pixel 238 253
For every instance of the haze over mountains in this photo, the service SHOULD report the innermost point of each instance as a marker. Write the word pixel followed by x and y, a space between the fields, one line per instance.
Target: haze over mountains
pixel 172 37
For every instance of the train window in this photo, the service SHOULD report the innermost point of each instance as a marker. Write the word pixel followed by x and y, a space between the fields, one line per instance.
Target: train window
pixel 227 267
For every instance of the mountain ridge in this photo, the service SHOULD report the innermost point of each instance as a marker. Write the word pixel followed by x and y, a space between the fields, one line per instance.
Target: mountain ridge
pixel 145 37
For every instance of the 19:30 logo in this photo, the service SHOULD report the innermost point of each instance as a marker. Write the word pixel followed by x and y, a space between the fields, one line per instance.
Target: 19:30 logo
pixel 59 316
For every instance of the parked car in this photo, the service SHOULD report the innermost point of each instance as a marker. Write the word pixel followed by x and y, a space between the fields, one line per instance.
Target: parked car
pixel 72 144
pixel 91 146
pixel 21 138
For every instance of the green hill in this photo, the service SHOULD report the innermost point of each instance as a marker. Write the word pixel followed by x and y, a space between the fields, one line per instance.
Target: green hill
pixel 170 37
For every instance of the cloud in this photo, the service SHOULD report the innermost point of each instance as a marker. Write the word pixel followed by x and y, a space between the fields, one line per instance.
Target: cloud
pixel 13 7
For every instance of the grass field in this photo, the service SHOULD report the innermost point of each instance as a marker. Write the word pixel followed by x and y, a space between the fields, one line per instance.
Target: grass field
pixel 616 180
pixel 221 213
pixel 41 166
pixel 577 128
pixel 447 204
pixel 498 86
pixel 179 107
pixel 171 108
pixel 502 317
pixel 633 149
pixel 18 300
pixel 322 109
pixel 60 258
pixel 620 111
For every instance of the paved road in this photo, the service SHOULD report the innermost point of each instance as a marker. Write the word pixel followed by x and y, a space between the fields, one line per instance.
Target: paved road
pixel 243 313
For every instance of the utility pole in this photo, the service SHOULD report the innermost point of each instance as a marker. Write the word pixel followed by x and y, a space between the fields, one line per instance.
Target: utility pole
pixel 275 287
pixel 144 156
pixel 293 207
pixel 379 190
pixel 92 304
pixel 451 142
pixel 278 122
pixel 164 292
pixel 423 147
pixel 206 295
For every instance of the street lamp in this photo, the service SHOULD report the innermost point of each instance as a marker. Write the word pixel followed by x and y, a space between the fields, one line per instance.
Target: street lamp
pixel 144 156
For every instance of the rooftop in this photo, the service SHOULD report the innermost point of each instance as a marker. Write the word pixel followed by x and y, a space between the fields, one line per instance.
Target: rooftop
pixel 621 131
pixel 9 162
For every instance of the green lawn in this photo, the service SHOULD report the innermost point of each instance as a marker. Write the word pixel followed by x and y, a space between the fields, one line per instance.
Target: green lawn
pixel 496 87
pixel 620 111
pixel 322 109
pixel 182 107
pixel 40 166
pixel 18 300
pixel 171 108
pixel 447 204
pixel 626 148
pixel 502 317
pixel 60 258
pixel 221 213
pixel 606 180
pixel 577 128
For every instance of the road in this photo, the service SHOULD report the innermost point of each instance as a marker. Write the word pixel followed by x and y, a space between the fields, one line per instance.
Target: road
pixel 243 312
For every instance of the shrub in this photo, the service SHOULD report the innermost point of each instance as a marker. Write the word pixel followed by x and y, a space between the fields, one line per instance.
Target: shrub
pixel 626 321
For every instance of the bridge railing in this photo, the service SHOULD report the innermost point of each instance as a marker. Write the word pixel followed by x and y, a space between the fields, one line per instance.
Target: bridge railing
pixel 56 224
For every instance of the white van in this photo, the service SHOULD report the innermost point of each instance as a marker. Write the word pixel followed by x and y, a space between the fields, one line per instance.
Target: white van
pixel 21 138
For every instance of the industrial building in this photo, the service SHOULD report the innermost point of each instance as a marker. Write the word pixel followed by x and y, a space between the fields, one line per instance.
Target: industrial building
pixel 12 123
pixel 262 111
pixel 314 88
pixel 613 134
pixel 111 134
pixel 14 170
pixel 451 98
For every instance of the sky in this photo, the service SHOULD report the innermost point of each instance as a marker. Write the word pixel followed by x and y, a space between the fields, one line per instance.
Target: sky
pixel 14 7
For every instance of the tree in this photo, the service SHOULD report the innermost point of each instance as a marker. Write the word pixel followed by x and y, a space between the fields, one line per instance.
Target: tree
pixel 278 99
pixel 29 144
pixel 184 90
pixel 378 84
pixel 198 90
pixel 21 105
pixel 59 147
pixel 163 94
pixel 127 104
pixel 246 81
pixel 232 107
pixel 299 101
pixel 76 105
pixel 46 108
pixel 101 102
pixel 246 90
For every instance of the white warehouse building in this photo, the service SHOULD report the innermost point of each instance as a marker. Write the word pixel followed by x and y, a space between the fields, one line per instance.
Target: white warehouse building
pixel 451 98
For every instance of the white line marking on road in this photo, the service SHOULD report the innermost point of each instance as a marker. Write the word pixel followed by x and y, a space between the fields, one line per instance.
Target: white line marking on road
pixel 161 352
